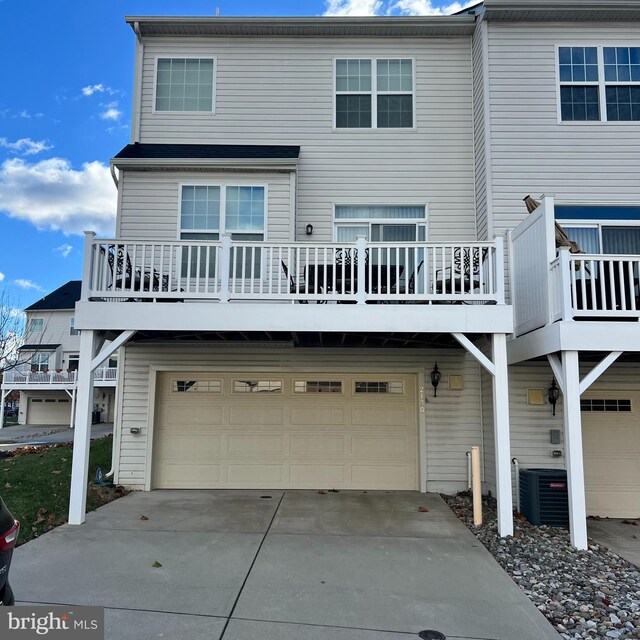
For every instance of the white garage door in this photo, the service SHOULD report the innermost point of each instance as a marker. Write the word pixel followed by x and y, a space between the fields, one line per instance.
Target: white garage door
pixel 611 442
pixel 54 411
pixel 285 431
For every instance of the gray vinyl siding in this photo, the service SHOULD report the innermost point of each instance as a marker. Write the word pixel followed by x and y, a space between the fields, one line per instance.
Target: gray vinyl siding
pixel 280 91
pixel 453 422
pixel 480 147
pixel 151 201
pixel 531 152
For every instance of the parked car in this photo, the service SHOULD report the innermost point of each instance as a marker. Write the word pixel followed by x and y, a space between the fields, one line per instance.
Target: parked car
pixel 9 530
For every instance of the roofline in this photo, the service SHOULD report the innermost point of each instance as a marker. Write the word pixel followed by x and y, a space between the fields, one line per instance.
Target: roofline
pixel 300 26
pixel 207 163
pixel 564 10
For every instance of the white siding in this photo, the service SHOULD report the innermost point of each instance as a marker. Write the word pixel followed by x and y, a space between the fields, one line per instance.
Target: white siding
pixel 479 132
pixel 280 91
pixel 531 151
pixel 56 330
pixel 151 201
pixel 453 418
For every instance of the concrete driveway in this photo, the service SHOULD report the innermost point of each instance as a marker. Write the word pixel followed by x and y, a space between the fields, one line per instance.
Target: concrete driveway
pixel 274 565
pixel 36 435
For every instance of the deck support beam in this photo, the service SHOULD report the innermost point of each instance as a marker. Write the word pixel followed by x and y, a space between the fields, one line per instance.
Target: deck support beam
pixel 82 435
pixel 90 343
pixel 500 378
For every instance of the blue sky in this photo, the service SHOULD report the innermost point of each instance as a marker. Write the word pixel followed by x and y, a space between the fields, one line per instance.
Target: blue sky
pixel 65 109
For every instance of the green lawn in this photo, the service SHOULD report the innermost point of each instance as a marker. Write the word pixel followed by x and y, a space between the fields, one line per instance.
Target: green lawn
pixel 35 486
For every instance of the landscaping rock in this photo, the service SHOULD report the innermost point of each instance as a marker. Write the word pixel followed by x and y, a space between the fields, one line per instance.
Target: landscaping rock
pixel 584 594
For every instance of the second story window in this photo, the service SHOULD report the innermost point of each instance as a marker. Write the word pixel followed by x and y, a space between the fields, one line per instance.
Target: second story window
pixel 599 84
pixel 36 325
pixel 374 93
pixel 185 84
pixel 40 362
pixel 72 327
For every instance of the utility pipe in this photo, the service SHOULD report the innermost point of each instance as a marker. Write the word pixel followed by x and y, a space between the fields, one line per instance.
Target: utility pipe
pixel 476 486
pixel 516 465
pixel 468 469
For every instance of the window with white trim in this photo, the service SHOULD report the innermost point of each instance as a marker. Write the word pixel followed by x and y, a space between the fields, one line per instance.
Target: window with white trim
pixel 74 361
pixel 317 386
pixel 72 327
pixel 40 361
pixel 599 83
pixel 381 223
pixel 184 84
pixel 36 325
pixel 206 211
pixel 374 93
pixel 197 386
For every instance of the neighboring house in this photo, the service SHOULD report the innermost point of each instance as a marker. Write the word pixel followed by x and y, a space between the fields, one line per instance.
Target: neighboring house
pixel 311 215
pixel 48 361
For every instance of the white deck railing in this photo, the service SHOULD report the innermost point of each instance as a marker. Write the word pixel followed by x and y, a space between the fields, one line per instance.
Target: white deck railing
pixel 55 377
pixel 226 270
pixel 549 285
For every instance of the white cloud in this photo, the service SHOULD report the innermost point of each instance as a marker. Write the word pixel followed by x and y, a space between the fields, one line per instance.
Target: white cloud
pixel 111 111
pixel 51 194
pixel 25 146
pixel 393 7
pixel 353 7
pixel 89 90
pixel 1 276
pixel 64 250
pixel 23 283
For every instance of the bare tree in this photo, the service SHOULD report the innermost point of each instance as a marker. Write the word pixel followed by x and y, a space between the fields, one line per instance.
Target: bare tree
pixel 12 332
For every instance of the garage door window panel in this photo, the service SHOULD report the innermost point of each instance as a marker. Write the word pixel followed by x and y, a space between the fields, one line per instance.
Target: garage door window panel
pixel 257 386
pixel 317 386
pixel 197 386
pixel 369 386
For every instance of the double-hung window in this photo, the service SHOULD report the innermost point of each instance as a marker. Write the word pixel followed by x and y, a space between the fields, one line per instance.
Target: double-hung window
pixel 599 83
pixel 72 327
pixel 36 325
pixel 40 361
pixel 185 84
pixel 374 93
pixel 207 211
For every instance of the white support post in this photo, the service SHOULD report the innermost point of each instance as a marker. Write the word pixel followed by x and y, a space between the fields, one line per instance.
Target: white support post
pixel 225 267
pixel 85 292
pixel 361 253
pixel 499 269
pixel 73 408
pixel 501 435
pixel 82 435
pixel 573 450
pixel 3 395
pixel 566 307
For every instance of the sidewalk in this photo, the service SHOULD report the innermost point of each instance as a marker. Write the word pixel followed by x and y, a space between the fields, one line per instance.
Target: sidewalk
pixel 25 434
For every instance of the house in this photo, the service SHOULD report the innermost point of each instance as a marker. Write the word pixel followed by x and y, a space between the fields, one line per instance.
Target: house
pixel 310 284
pixel 47 364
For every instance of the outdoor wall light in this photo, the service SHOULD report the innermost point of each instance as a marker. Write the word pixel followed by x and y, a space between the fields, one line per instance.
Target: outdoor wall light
pixel 435 379
pixel 309 229
pixel 553 394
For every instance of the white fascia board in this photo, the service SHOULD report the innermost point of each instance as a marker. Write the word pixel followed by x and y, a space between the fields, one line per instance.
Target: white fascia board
pixel 107 316
pixel 201 163
pixel 575 336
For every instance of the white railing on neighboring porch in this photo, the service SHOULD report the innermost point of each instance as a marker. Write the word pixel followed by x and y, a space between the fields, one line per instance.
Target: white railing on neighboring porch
pixel 548 285
pixel 62 377
pixel 227 270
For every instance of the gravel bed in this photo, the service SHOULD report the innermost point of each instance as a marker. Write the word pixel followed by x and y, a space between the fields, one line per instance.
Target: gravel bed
pixel 584 594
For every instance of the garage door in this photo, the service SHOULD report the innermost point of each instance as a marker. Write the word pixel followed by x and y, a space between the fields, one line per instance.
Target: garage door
pixel 55 411
pixel 285 431
pixel 611 442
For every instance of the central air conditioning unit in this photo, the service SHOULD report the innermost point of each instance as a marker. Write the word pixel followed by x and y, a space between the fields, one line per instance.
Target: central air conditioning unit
pixel 544 497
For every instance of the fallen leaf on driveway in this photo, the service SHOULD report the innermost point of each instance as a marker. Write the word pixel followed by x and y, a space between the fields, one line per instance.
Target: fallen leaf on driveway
pixel 143 518
pixel 322 493
pixel 333 491
pixel 156 565
pixel 633 522
pixel 423 509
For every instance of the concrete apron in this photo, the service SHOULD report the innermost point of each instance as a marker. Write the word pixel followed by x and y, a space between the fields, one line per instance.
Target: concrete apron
pixel 239 566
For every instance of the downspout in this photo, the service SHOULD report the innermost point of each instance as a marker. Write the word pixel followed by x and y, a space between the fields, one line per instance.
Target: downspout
pixel 516 465
pixel 136 111
pixel 113 174
pixel 116 418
